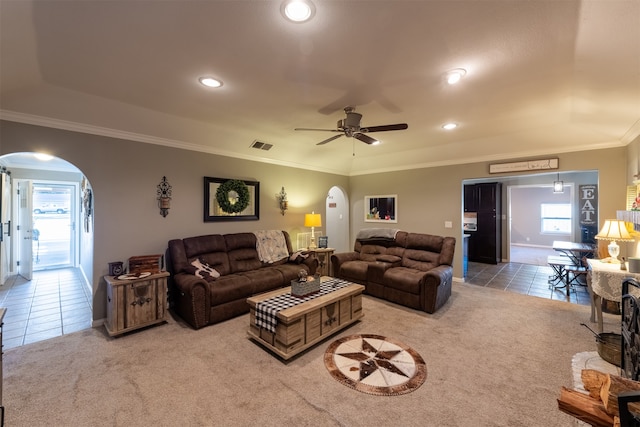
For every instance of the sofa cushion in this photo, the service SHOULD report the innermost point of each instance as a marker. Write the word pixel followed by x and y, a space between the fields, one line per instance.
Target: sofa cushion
pixel 244 260
pixel 420 260
pixel 195 246
pixel 217 260
pixel 264 279
pixel 371 252
pixel 388 258
pixel 424 242
pixel 242 252
pixel 230 288
pixel 354 270
pixel 290 271
pixel 404 279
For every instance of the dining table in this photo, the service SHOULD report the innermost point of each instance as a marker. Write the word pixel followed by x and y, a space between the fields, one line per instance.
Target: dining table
pixel 575 251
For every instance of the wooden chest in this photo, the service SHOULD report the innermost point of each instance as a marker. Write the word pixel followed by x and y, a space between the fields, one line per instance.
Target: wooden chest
pixel 144 264
pixel 136 303
pixel 308 323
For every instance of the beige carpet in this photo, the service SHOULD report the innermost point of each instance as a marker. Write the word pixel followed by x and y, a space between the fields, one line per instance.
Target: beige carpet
pixel 494 359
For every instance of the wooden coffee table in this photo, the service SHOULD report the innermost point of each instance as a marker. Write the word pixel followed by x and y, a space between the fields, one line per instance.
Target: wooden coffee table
pixel 309 322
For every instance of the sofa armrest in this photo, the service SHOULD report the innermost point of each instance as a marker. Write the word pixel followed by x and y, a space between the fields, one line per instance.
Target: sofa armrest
pixel 312 263
pixel 191 299
pixel 440 274
pixel 338 259
pixel 436 288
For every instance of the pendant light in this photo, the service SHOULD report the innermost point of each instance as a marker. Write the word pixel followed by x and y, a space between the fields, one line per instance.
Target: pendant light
pixel 558 186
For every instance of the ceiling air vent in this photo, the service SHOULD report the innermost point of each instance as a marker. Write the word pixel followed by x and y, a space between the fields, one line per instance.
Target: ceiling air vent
pixel 261 145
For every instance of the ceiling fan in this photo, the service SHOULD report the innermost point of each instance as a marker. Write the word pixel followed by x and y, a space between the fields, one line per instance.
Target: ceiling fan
pixel 350 127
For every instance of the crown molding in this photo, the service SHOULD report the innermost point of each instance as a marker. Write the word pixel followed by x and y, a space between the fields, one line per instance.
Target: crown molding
pixel 31 119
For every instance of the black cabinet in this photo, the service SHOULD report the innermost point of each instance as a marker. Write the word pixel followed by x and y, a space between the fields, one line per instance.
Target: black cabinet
pixel 485 244
pixel 470 198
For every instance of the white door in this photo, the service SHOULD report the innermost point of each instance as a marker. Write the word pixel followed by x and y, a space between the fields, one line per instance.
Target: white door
pixel 5 227
pixel 24 226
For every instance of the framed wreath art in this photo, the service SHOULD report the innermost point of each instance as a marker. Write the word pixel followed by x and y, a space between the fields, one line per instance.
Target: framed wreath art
pixel 230 199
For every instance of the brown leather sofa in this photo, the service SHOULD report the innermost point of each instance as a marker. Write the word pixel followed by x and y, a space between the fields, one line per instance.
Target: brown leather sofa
pixel 204 301
pixel 411 269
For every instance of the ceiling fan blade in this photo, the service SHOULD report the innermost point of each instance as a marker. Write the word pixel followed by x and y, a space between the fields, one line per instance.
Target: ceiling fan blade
pixel 329 139
pixel 322 130
pixel 399 126
pixel 365 138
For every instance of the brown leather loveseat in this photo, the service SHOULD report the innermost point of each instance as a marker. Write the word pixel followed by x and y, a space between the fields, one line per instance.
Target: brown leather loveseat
pixel 411 269
pixel 242 273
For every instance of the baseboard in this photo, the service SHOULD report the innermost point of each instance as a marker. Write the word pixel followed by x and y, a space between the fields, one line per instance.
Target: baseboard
pixel 98 323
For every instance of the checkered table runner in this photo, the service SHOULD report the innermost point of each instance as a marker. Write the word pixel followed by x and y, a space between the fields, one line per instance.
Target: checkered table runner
pixel 267 310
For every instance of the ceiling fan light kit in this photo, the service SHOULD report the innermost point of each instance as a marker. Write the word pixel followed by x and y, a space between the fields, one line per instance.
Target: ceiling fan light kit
pixel 350 127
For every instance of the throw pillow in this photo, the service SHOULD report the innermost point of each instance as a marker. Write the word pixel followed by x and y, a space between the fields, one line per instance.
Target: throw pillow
pixel 298 257
pixel 205 271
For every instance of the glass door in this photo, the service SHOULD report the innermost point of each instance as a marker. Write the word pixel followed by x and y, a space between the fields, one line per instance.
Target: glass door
pixel 54 213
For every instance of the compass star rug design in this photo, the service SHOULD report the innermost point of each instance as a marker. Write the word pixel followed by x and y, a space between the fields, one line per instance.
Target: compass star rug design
pixel 375 364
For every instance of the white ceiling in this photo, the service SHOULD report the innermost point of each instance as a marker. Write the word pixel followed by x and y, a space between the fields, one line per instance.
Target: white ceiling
pixel 543 76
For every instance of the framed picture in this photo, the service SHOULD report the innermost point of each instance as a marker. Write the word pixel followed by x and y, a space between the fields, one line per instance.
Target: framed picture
pixel 381 208
pixel 240 202
pixel 323 242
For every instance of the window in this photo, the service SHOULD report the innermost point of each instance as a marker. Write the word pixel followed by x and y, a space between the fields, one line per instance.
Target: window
pixel 555 218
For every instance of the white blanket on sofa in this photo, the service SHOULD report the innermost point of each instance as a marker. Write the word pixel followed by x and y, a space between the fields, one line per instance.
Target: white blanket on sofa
pixel 368 233
pixel 271 245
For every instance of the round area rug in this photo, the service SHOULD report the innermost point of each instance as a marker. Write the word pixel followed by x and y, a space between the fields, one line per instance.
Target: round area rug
pixel 375 364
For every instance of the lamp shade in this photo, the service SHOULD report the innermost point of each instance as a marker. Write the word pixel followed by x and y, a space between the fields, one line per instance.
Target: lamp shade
pixel 614 229
pixel 312 220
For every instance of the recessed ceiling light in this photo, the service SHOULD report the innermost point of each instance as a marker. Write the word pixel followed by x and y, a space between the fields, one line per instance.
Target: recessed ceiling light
pixel 210 82
pixel 298 10
pixel 449 126
pixel 454 76
pixel 376 142
pixel 43 156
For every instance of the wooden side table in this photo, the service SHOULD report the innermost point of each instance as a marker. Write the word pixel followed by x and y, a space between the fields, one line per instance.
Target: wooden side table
pixel 324 259
pixel 135 303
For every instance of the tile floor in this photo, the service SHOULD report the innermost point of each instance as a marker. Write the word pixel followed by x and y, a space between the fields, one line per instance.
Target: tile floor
pixel 523 279
pixel 53 303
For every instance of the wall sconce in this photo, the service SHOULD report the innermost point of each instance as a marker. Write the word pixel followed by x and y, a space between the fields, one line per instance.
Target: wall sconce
pixel 164 196
pixel 282 200
pixel 558 186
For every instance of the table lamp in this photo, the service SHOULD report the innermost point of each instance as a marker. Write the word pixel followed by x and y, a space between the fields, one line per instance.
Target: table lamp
pixel 614 229
pixel 312 220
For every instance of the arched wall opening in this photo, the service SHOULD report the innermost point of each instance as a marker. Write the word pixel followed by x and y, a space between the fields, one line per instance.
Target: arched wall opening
pixel 20 171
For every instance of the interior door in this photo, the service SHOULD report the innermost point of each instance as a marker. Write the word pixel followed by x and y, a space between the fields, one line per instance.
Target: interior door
pixel 5 227
pixel 24 225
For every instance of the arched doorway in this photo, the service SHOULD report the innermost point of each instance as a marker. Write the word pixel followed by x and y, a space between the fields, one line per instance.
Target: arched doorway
pixel 45 250
pixel 337 212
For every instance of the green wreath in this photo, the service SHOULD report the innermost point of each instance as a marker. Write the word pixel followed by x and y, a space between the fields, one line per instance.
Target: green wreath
pixel 225 201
